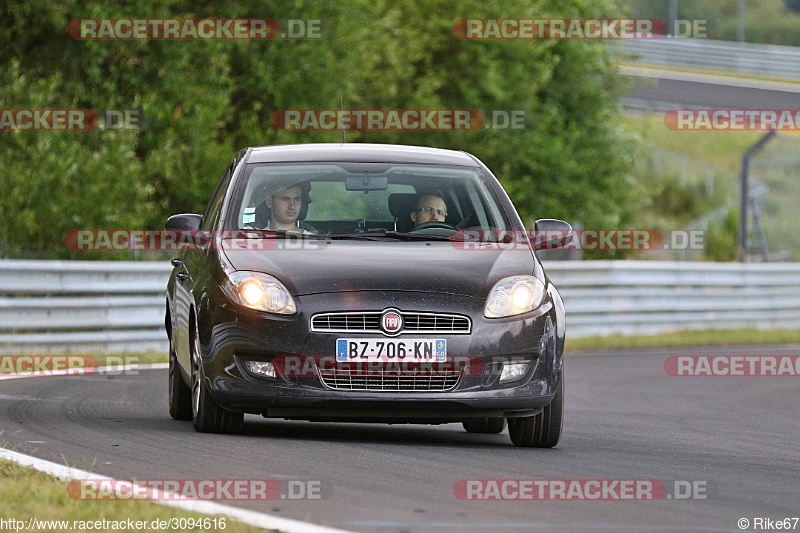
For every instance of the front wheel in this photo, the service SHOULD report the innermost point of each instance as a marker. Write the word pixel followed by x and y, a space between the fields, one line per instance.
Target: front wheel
pixel 542 430
pixel 180 396
pixel 207 415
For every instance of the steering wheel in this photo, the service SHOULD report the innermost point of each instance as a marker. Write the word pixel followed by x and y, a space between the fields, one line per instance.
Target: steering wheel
pixel 434 224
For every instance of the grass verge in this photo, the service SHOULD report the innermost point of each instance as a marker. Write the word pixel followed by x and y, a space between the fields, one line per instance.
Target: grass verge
pixel 130 358
pixel 722 149
pixel 27 493
pixel 713 72
pixel 708 337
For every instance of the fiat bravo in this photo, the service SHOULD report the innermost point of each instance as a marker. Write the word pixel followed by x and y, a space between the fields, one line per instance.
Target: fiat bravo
pixel 366 283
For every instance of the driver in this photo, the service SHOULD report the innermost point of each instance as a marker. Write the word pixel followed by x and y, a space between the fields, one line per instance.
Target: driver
pixel 431 207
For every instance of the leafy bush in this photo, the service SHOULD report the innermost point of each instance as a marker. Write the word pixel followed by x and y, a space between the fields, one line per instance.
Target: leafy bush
pixel 722 240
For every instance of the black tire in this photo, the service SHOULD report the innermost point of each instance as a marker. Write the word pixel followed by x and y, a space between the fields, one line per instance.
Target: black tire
pixel 207 415
pixel 544 429
pixel 180 396
pixel 495 424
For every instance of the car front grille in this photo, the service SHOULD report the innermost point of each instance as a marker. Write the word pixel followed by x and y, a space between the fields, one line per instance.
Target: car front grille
pixel 369 322
pixel 346 377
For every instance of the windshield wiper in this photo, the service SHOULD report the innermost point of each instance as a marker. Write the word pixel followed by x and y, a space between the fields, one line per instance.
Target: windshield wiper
pixel 417 236
pixel 361 236
pixel 389 235
pixel 271 234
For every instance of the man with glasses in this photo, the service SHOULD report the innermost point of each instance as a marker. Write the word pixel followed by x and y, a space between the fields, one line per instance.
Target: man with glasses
pixel 431 207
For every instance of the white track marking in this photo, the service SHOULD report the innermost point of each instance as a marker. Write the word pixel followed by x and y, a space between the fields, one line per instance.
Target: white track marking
pixel 66 473
pixel 253 518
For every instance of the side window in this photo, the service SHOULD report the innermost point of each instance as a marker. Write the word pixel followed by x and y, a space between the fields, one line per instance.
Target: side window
pixel 214 205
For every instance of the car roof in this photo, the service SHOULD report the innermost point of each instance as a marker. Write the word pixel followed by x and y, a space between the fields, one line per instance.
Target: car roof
pixel 360 152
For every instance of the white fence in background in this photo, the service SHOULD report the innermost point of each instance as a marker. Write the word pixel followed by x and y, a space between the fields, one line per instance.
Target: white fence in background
pixel 58 306
pixel 749 58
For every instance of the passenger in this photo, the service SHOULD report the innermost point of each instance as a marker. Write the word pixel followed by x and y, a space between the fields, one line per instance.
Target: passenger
pixel 284 207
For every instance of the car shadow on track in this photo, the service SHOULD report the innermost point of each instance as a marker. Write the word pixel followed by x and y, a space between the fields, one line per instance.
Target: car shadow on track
pixel 287 431
pixel 413 434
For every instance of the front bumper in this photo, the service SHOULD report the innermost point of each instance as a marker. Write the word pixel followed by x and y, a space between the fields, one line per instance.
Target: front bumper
pixel 229 335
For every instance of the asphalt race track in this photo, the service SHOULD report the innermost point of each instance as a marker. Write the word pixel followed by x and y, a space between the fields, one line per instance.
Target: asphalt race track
pixel 713 93
pixel 625 419
pixel 716 96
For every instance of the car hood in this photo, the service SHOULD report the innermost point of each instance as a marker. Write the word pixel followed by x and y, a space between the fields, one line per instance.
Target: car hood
pixel 336 266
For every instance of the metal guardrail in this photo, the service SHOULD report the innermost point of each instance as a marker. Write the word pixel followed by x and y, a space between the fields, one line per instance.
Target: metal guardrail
pixel 749 58
pixel 59 306
pixel 647 297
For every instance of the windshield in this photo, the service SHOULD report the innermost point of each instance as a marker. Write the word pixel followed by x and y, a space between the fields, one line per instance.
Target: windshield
pixel 333 199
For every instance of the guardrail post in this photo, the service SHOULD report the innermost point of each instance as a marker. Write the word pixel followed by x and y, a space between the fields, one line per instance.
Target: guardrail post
pixel 744 185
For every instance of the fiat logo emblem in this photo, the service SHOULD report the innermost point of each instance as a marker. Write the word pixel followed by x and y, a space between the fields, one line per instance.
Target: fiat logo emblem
pixel 391 322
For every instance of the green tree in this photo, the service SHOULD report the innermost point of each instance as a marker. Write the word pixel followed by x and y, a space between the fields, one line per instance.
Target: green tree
pixel 204 100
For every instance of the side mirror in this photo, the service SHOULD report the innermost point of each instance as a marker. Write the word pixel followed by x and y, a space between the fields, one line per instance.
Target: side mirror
pixel 183 222
pixel 551 233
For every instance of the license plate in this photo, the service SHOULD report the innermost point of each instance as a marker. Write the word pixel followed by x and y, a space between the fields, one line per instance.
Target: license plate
pixel 391 350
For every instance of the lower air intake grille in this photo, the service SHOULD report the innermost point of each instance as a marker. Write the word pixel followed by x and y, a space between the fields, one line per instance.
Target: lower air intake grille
pixel 345 377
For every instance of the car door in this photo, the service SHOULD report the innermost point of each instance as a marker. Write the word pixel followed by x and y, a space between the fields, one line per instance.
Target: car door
pixel 193 269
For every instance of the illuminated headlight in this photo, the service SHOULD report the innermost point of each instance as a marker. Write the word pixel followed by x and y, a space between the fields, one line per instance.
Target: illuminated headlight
pixel 513 371
pixel 259 291
pixel 513 296
pixel 260 368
